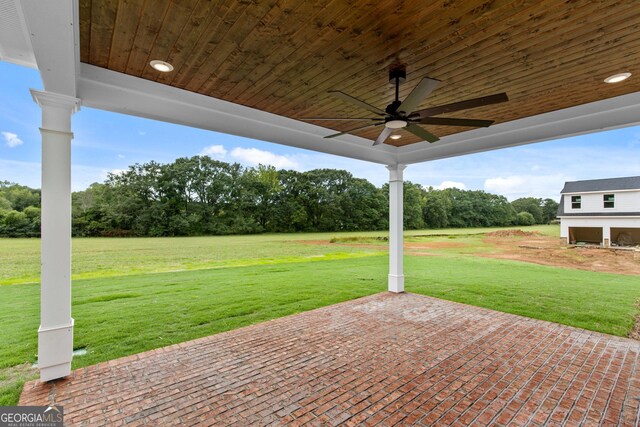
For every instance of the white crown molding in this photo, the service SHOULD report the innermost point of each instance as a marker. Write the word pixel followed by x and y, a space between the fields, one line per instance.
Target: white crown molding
pixel 52 99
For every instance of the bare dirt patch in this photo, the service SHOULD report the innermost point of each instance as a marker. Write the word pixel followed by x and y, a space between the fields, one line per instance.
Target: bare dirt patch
pixel 545 250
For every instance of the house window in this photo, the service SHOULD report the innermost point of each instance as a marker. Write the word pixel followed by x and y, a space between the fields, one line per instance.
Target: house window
pixel 608 200
pixel 576 202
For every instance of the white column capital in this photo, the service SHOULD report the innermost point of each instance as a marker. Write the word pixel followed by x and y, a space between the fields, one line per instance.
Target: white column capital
pixel 396 172
pixel 52 99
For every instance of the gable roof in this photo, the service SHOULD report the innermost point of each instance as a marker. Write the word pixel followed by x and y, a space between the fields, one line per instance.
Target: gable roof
pixel 607 184
pixel 560 207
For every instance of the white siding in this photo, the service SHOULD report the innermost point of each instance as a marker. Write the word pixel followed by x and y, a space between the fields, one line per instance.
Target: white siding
pixel 625 201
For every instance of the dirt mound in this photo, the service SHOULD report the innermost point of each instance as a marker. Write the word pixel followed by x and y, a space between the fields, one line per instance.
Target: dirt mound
pixel 513 233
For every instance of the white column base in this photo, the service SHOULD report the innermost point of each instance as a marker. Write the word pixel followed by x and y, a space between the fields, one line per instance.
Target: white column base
pixel 396 283
pixel 55 351
pixel 55 372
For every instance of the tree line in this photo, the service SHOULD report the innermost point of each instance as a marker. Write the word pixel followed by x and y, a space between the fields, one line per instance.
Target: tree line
pixel 202 196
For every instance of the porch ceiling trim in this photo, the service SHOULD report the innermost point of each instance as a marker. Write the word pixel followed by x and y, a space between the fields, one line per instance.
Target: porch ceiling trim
pixel 612 113
pixel 108 90
pixel 112 91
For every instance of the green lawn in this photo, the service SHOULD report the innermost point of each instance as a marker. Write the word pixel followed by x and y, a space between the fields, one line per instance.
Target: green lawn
pixel 106 257
pixel 229 282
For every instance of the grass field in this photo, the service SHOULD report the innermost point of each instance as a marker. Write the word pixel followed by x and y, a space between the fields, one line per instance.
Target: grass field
pixel 107 257
pixel 132 295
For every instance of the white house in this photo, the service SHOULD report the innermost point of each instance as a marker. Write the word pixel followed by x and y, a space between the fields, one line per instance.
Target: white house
pixel 602 211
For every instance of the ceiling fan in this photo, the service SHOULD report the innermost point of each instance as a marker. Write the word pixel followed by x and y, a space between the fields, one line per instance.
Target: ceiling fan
pixel 402 114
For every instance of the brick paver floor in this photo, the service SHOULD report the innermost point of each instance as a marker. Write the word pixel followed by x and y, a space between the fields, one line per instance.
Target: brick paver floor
pixel 381 360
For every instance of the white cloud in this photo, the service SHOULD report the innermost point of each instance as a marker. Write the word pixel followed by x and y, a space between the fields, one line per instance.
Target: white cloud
pixel 451 184
pixel 11 139
pixel 214 151
pixel 142 133
pixel 508 185
pixel 516 186
pixel 255 156
pixel 121 156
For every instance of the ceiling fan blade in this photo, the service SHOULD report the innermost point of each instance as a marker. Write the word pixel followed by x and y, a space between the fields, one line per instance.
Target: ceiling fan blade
pixel 463 105
pixel 353 130
pixel 327 119
pixel 447 121
pixel 421 133
pixel 418 94
pixel 383 136
pixel 354 101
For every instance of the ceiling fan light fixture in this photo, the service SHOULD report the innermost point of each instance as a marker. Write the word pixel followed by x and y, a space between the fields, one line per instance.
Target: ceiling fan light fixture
pixel 161 66
pixel 395 124
pixel 395 136
pixel 617 78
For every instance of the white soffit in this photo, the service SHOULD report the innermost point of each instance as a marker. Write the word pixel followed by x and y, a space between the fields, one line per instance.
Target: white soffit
pixel 15 45
pixel 613 113
pixel 121 93
pixel 108 90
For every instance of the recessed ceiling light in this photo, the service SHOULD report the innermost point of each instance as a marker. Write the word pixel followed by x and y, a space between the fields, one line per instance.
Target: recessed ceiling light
pixel 395 136
pixel 162 66
pixel 617 78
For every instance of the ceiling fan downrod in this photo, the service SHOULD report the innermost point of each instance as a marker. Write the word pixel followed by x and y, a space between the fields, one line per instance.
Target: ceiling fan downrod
pixel 397 76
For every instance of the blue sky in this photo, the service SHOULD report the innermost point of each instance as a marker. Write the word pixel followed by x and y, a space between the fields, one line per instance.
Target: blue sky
pixel 107 142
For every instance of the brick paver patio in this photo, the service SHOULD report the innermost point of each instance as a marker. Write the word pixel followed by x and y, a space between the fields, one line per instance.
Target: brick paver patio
pixel 381 360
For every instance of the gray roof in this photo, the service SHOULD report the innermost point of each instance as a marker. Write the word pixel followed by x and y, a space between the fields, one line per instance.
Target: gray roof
pixel 607 184
pixel 561 207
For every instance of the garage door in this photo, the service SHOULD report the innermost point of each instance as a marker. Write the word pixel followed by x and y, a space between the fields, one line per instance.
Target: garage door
pixel 591 235
pixel 625 236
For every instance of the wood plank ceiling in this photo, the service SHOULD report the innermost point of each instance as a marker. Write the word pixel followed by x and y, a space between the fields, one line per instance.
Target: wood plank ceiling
pixel 282 56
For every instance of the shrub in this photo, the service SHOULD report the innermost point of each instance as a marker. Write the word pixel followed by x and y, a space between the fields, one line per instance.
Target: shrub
pixel 525 218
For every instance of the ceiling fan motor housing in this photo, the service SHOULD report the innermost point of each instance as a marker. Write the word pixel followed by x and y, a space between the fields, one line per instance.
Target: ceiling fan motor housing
pixel 397 73
pixel 393 107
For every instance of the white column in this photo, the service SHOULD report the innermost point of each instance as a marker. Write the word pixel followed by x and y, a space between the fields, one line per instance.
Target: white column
pixel 396 274
pixel 606 236
pixel 55 336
